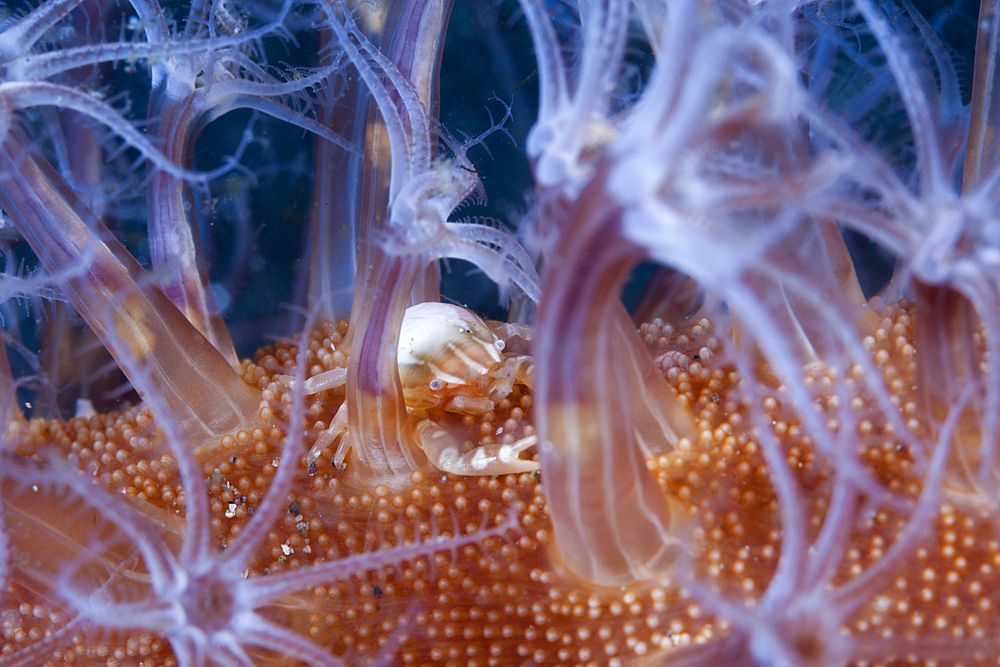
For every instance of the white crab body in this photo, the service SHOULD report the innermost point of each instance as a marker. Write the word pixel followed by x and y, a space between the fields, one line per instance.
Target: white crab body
pixel 450 359
pixel 444 347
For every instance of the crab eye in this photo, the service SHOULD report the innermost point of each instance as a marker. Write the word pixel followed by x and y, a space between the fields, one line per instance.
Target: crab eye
pixel 499 345
pixel 435 384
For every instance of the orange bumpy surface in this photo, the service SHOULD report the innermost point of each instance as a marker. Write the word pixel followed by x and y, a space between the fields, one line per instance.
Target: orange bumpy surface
pixel 507 600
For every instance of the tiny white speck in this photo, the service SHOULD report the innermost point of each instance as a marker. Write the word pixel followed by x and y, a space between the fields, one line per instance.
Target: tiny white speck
pixel 285 549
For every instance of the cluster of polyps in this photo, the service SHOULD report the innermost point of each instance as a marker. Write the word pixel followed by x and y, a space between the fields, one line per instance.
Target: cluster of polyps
pixel 727 167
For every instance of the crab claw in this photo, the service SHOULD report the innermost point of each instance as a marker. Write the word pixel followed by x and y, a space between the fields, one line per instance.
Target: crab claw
pixel 443 451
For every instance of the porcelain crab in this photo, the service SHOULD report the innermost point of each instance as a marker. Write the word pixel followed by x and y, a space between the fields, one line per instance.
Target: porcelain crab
pixel 449 359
